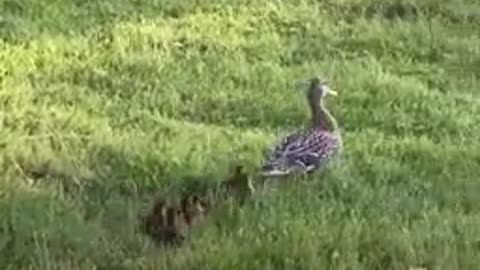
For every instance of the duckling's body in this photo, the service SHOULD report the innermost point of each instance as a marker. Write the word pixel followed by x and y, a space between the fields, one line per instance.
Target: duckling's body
pixel 194 209
pixel 157 219
pixel 308 150
pixel 175 230
pixel 165 224
pixel 239 184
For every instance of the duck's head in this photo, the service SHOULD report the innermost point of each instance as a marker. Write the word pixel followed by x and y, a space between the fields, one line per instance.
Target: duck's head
pixel 317 89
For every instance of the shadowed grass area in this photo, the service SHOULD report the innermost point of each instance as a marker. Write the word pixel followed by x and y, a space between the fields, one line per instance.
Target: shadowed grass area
pixel 128 99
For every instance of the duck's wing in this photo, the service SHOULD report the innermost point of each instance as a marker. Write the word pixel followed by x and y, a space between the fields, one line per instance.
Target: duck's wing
pixel 285 144
pixel 315 150
pixel 274 161
pixel 301 151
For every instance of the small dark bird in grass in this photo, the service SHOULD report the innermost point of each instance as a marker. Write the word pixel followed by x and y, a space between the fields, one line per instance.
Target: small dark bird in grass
pixel 194 209
pixel 165 224
pixel 239 184
pixel 174 232
pixel 156 219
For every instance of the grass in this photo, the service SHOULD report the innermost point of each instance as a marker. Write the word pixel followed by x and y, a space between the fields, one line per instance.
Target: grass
pixel 129 99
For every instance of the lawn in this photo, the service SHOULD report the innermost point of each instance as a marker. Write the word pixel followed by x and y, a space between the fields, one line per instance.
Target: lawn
pixel 126 100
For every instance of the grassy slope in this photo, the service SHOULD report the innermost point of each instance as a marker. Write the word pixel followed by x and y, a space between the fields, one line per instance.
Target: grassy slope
pixel 127 98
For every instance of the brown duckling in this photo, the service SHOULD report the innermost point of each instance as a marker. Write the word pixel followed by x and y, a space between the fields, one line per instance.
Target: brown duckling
pixel 165 224
pixel 175 229
pixel 239 184
pixel 156 219
pixel 194 209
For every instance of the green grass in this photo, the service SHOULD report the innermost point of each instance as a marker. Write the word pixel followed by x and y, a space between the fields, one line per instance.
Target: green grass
pixel 129 99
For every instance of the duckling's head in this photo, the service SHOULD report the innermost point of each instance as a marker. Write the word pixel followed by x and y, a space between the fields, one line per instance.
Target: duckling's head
pixel 201 203
pixel 193 204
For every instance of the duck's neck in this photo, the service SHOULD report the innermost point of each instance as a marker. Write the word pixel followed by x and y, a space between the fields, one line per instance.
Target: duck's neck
pixel 321 117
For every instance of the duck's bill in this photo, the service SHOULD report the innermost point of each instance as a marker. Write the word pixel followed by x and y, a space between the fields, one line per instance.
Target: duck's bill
pixel 332 92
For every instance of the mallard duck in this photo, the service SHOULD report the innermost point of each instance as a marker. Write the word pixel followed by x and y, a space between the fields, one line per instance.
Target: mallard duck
pixel 310 149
